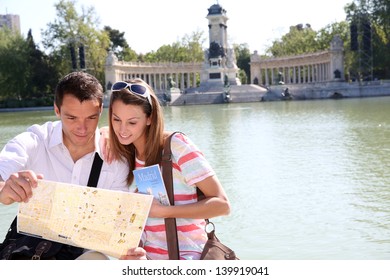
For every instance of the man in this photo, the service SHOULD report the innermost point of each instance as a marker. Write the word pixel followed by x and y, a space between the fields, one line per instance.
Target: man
pixel 63 150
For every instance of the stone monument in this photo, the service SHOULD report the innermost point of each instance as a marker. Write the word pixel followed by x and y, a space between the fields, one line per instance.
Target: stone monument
pixel 220 61
pixel 172 90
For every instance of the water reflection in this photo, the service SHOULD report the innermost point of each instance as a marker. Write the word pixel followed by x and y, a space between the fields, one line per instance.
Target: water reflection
pixel 307 180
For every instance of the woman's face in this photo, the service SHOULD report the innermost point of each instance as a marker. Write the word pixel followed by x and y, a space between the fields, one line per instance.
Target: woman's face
pixel 129 123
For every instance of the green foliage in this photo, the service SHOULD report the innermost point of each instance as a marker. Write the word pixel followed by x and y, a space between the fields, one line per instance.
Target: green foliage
pixel 188 50
pixel 325 36
pixel 243 55
pixel 27 75
pixel 70 28
pixel 43 74
pixel 381 57
pixel 298 40
pixel 303 39
pixel 381 37
pixel 13 67
pixel 5 36
pixel 376 12
pixel 119 45
pixel 117 39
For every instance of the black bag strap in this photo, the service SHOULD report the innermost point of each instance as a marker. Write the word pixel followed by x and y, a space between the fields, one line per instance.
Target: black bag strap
pixel 170 223
pixel 95 171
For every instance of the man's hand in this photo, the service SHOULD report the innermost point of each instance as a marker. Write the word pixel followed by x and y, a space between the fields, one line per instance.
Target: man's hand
pixel 137 253
pixel 18 187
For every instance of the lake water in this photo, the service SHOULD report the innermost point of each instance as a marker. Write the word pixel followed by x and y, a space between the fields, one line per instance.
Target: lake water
pixel 307 180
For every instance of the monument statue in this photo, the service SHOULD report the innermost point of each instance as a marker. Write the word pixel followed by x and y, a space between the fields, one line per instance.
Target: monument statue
pixel 111 58
pixel 226 82
pixel 216 50
pixel 171 83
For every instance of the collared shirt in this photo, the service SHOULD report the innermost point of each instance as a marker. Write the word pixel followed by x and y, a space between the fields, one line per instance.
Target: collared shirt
pixel 42 150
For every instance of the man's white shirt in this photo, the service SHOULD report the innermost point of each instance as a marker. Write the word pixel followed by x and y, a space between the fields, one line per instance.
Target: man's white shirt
pixel 42 150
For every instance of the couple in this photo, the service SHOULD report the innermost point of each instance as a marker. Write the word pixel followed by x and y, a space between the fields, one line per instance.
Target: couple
pixel 62 150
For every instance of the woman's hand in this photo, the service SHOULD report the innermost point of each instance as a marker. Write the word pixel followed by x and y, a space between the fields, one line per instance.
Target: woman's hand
pixel 157 209
pixel 213 205
pixel 104 144
pixel 137 253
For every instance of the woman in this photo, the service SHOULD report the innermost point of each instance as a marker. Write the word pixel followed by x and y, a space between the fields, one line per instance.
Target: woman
pixel 136 133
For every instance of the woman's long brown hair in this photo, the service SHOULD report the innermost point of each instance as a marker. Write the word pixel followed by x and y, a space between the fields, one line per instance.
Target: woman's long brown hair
pixel 154 132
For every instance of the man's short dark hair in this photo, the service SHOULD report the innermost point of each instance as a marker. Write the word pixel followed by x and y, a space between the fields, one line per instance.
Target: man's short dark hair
pixel 81 85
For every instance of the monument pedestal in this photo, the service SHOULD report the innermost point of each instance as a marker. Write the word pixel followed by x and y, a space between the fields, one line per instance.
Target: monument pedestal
pixel 172 95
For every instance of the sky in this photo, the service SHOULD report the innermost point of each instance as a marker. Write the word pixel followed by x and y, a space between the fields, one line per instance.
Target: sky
pixel 150 24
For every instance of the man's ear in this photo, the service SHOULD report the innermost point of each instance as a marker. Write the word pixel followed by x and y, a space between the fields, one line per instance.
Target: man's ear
pixel 57 111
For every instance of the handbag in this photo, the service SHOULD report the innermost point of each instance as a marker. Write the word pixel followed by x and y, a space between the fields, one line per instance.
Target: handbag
pixel 18 246
pixel 214 249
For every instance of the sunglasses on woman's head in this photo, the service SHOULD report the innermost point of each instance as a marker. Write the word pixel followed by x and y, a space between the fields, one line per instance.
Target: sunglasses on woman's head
pixel 133 88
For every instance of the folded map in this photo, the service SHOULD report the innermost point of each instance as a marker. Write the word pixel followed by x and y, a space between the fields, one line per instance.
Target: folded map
pixel 107 221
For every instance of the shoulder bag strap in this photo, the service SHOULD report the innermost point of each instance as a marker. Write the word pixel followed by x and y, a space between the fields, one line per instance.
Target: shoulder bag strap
pixel 170 223
pixel 95 171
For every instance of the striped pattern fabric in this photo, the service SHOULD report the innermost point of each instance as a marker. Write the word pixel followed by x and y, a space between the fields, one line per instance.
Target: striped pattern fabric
pixel 189 167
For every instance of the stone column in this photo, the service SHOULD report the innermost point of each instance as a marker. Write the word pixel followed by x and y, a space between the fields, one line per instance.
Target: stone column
pixel 299 74
pixel 194 80
pixel 176 78
pixel 312 73
pixel 305 74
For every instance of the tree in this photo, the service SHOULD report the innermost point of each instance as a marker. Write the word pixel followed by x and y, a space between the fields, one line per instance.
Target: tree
pixel 13 65
pixel 72 29
pixel 27 76
pixel 189 49
pixel 325 36
pixel 242 53
pixel 381 15
pixel 119 45
pixel 117 39
pixel 193 44
pixel 376 14
pixel 42 74
pixel 13 62
pixel 381 37
pixel 299 40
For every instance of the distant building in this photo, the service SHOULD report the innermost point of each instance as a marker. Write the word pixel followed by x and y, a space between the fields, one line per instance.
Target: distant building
pixel 10 21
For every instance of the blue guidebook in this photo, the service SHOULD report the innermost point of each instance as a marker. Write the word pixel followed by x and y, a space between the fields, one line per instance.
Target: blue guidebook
pixel 149 181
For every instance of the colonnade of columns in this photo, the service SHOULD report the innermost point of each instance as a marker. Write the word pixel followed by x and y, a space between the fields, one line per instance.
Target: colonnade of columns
pixel 302 69
pixel 299 74
pixel 322 66
pixel 160 81
pixel 160 76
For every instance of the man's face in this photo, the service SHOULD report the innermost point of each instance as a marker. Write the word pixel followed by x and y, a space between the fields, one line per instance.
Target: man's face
pixel 79 122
